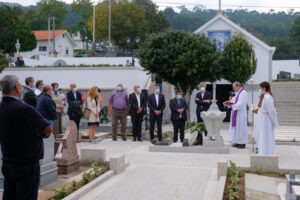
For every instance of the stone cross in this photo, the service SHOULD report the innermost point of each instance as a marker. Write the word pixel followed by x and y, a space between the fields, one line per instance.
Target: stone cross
pixel 18 46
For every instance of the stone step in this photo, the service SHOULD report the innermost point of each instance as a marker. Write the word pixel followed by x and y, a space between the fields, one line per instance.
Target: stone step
pixel 289 123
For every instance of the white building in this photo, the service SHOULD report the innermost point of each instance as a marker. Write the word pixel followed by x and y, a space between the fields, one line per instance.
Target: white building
pixel 64 44
pixel 79 44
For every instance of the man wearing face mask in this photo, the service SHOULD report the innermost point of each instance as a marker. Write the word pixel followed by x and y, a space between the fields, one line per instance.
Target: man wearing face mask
pixel 156 104
pixel 178 117
pixel 29 96
pixel 238 131
pixel 137 103
pixel 46 106
pixel 203 100
pixel 22 129
pixel 118 108
pixel 75 105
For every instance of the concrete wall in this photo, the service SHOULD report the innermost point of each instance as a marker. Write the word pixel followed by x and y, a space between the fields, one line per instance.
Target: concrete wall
pixel 85 77
pixel 292 66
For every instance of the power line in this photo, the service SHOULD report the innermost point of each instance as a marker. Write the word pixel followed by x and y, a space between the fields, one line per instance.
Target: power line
pixel 227 5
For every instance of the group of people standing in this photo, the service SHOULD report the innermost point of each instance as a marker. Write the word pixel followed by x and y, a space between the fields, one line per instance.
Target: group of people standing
pixel 265 120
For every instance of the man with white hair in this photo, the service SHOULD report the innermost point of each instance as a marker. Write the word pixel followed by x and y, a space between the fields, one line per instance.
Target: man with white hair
pixel 238 131
pixel 22 130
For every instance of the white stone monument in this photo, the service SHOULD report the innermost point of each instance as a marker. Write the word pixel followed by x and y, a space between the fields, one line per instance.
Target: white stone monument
pixel 213 120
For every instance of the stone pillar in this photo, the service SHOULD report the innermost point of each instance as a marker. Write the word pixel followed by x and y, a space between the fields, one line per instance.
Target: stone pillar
pixel 48 165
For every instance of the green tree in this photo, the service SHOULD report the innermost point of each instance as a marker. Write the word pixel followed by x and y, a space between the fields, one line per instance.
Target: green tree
pixel 33 20
pixel 11 29
pixel 236 60
pixel 294 36
pixel 3 61
pixel 181 59
pixel 56 8
pixel 127 20
pixel 285 48
pixel 157 20
pixel 83 8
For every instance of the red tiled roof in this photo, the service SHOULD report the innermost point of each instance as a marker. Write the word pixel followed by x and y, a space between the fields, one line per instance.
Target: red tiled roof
pixel 43 35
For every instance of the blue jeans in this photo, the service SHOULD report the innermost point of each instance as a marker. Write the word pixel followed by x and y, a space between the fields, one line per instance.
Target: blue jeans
pixel 21 182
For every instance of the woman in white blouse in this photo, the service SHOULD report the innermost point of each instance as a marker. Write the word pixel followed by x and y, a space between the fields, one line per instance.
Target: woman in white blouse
pixel 266 132
pixel 93 104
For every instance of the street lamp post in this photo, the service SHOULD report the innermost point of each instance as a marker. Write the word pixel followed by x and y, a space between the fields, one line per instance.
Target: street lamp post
pixel 133 42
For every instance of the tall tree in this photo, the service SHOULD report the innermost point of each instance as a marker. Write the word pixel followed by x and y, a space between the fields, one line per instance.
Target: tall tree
pixel 157 20
pixel 294 35
pixel 55 8
pixel 11 29
pixel 181 59
pixel 84 9
pixel 128 20
pixel 236 60
pixel 3 61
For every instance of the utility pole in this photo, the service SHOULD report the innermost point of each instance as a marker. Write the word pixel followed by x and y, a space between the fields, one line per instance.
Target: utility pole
pixel 219 11
pixel 53 27
pixel 49 50
pixel 109 27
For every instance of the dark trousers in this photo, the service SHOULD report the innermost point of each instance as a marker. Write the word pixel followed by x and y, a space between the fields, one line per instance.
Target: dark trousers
pixel 116 115
pixel 137 120
pixel 178 124
pixel 21 182
pixel 158 119
pixel 199 119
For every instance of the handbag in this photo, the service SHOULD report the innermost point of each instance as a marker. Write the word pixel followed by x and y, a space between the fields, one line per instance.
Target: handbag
pixel 86 112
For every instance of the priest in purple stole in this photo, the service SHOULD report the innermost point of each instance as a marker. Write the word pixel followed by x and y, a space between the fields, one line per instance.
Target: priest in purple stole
pixel 238 131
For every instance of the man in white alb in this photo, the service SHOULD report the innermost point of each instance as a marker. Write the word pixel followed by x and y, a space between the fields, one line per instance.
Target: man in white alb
pixel 238 131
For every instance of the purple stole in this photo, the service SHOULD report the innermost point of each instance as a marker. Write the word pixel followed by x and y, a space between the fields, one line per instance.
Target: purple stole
pixel 235 112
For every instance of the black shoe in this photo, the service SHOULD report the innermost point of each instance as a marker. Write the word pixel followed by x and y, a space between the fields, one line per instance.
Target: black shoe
pixel 124 139
pixel 235 145
pixel 205 133
pixel 114 139
pixel 134 139
pixel 140 140
pixel 181 140
pixel 241 146
pixel 159 139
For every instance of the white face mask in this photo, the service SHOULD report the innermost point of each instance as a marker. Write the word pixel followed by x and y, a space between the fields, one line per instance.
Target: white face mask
pixel 74 89
pixel 202 89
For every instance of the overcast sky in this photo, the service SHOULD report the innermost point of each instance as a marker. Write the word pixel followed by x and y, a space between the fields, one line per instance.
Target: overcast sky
pixel 259 5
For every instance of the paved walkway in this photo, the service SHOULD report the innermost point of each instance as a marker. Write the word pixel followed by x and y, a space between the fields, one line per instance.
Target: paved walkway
pixel 164 176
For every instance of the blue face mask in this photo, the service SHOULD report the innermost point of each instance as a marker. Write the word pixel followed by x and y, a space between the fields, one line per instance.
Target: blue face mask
pixel 259 93
pixel 33 86
pixel 119 88
pixel 179 96
pixel 138 90
pixel 56 89
pixel 52 93
pixel 157 90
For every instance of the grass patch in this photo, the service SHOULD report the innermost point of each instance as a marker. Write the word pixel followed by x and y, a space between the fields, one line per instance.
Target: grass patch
pixel 87 177
pixel 235 183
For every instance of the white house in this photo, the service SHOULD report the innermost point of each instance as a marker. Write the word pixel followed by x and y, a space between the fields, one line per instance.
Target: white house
pixel 64 44
pixel 79 44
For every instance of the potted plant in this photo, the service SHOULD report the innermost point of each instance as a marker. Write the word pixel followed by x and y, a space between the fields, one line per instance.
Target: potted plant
pixel 200 128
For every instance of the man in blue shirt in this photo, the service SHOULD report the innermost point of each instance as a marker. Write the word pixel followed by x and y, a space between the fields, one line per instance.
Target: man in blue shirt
pixel 22 130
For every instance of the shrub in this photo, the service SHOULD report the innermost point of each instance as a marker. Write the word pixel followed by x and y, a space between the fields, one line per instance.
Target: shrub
pixel 258 170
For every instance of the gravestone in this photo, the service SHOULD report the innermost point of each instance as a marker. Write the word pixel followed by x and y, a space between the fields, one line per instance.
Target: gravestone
pixel 164 142
pixel 292 179
pixel 67 156
pixel 48 165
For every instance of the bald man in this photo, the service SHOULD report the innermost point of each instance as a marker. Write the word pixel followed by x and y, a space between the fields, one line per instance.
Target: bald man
pixel 118 108
pixel 75 104
pixel 137 103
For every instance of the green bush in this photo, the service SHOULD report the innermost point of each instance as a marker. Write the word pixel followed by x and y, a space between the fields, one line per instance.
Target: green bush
pixel 60 194
pixel 87 177
pixel 258 170
pixel 233 187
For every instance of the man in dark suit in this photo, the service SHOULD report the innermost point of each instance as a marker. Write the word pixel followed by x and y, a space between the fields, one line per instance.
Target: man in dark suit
pixel 75 105
pixel 29 96
pixel 137 102
pixel 203 101
pixel 156 104
pixel 22 130
pixel 178 117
